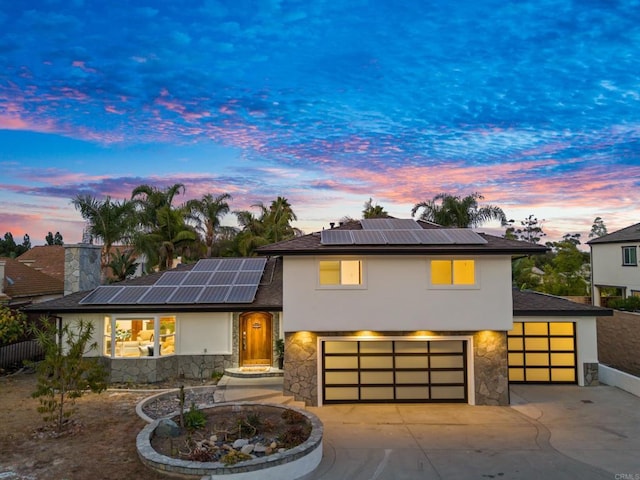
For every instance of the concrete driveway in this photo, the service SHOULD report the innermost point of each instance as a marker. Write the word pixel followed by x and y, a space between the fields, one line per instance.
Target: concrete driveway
pixel 552 432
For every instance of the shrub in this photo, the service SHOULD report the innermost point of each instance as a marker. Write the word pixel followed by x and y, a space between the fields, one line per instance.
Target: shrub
pixel 294 435
pixel 12 325
pixel 194 419
pixel 630 303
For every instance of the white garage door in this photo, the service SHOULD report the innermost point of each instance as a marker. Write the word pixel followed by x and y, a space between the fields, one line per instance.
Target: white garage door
pixel 394 371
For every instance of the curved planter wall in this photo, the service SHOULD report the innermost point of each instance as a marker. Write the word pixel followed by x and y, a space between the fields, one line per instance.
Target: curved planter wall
pixel 290 464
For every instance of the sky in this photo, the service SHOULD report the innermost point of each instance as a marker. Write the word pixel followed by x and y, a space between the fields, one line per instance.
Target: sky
pixel 534 104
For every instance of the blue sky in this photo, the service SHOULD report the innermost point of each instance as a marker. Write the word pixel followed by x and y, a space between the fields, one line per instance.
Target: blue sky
pixel 534 104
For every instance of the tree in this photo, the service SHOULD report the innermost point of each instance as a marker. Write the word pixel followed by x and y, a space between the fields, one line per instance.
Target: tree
pixel 598 229
pixel 373 211
pixel 207 213
pixel 52 239
pixel 12 325
pixel 164 232
pixel 123 265
pixel 454 211
pixel 530 230
pixel 107 220
pixel 9 248
pixel 66 373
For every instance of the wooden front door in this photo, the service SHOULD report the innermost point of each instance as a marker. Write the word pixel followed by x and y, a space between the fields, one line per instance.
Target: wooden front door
pixel 255 338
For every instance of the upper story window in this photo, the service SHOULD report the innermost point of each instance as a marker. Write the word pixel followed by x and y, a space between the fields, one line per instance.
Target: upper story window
pixel 629 256
pixel 453 272
pixel 340 272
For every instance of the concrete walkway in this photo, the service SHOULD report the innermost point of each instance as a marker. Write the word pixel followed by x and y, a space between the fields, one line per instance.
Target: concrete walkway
pixel 554 432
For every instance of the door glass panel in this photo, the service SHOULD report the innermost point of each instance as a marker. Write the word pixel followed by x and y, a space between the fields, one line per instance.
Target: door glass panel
pixel 562 360
pixel 516 374
pixel 376 347
pixel 537 359
pixel 533 328
pixel 562 344
pixel 537 374
pixel 517 329
pixel 563 375
pixel 514 343
pixel 412 377
pixel 447 362
pixel 447 377
pixel 411 347
pixel 446 347
pixel 561 328
pixel 447 392
pixel 516 359
pixel 536 343
pixel 341 347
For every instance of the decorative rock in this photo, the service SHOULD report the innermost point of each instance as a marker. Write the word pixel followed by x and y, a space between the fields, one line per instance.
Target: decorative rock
pixel 273 445
pixel 167 428
pixel 247 449
pixel 213 438
pixel 241 442
pixel 259 448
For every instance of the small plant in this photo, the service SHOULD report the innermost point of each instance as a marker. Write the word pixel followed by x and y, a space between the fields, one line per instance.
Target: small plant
pixel 254 420
pixel 181 398
pixel 217 375
pixel 293 417
pixel 294 435
pixel 194 419
pixel 280 352
pixel 234 457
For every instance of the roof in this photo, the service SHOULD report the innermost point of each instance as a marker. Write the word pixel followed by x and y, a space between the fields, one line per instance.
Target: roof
pixel 268 297
pixel 48 259
pixel 536 304
pixel 22 281
pixel 311 244
pixel 628 234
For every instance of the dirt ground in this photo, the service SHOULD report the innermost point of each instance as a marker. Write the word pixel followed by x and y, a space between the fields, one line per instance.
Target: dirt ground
pixel 102 447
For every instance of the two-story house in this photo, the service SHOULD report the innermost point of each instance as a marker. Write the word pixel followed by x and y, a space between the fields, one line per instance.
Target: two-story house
pixel 614 264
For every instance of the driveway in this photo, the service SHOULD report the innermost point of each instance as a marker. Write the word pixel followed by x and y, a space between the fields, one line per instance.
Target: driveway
pixel 549 431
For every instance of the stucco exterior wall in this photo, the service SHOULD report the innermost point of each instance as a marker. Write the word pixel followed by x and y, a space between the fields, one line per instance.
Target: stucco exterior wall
pixel 396 295
pixel 608 270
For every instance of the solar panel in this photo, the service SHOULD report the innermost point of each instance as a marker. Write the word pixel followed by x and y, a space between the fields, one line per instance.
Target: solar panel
pixel 230 264
pixel 157 295
pixel 130 294
pixel 207 265
pixel 197 278
pixel 100 295
pixel 401 237
pixel 336 237
pixel 253 264
pixel 185 294
pixel 171 278
pixel 248 278
pixel 389 224
pixel 368 237
pixel 242 294
pixel 215 294
pixel 464 236
pixel 222 278
pixel 432 237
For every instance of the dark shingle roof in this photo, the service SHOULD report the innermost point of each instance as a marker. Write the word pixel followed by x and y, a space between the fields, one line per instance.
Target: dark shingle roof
pixel 311 244
pixel 536 304
pixel 628 234
pixel 268 297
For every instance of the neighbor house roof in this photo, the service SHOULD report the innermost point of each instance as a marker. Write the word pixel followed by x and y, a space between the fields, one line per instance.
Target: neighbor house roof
pixel 268 297
pixel 536 304
pixel 312 244
pixel 48 259
pixel 628 234
pixel 24 282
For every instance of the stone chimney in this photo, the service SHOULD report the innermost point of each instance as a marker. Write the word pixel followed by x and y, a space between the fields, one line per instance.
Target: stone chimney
pixel 81 267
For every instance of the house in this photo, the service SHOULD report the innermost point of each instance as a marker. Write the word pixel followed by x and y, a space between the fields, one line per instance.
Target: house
pixel 378 310
pixel 614 264
pixel 48 259
pixel 394 310
pixel 22 285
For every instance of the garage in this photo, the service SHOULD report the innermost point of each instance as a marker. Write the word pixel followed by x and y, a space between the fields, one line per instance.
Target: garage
pixel 542 352
pixel 394 371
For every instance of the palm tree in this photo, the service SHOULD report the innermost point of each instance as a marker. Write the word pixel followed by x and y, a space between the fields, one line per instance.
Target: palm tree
pixel 453 211
pixel 109 221
pixel 122 265
pixel 164 232
pixel 373 211
pixel 206 213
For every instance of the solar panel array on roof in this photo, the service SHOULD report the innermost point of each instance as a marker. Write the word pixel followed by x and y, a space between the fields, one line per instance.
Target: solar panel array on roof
pixel 390 224
pixel 213 280
pixel 439 236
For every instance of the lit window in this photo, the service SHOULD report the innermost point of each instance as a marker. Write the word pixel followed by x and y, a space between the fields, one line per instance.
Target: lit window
pixel 453 272
pixel 139 337
pixel 340 272
pixel 629 256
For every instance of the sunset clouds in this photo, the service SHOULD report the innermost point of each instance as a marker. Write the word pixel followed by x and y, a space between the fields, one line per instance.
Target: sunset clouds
pixel 533 104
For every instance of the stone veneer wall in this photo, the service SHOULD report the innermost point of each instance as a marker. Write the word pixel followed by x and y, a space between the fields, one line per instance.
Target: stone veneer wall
pixel 81 267
pixel 490 364
pixel 152 370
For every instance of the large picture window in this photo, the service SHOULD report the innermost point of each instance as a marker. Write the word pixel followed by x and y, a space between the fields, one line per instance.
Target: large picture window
pixel 629 256
pixel 453 272
pixel 340 272
pixel 134 337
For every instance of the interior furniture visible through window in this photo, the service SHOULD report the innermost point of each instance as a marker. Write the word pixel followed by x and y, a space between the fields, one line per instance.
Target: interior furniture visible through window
pixel 134 337
pixel 453 272
pixel 340 272
pixel 629 256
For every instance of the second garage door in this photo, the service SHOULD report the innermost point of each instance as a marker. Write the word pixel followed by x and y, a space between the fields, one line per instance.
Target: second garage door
pixel 394 371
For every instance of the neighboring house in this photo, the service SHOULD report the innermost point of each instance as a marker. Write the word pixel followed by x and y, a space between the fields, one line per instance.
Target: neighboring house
pixel 22 285
pixel 391 310
pixel 614 264
pixel 48 259
pixel 380 310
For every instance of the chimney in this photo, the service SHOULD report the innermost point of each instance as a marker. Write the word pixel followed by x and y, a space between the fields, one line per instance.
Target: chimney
pixel 81 267
pixel 332 224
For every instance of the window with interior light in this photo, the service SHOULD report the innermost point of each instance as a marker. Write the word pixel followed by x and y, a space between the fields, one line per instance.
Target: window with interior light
pixel 629 256
pixel 139 336
pixel 340 273
pixel 453 272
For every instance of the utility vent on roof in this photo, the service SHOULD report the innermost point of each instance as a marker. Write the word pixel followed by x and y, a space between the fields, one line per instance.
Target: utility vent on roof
pixel 213 280
pixel 440 236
